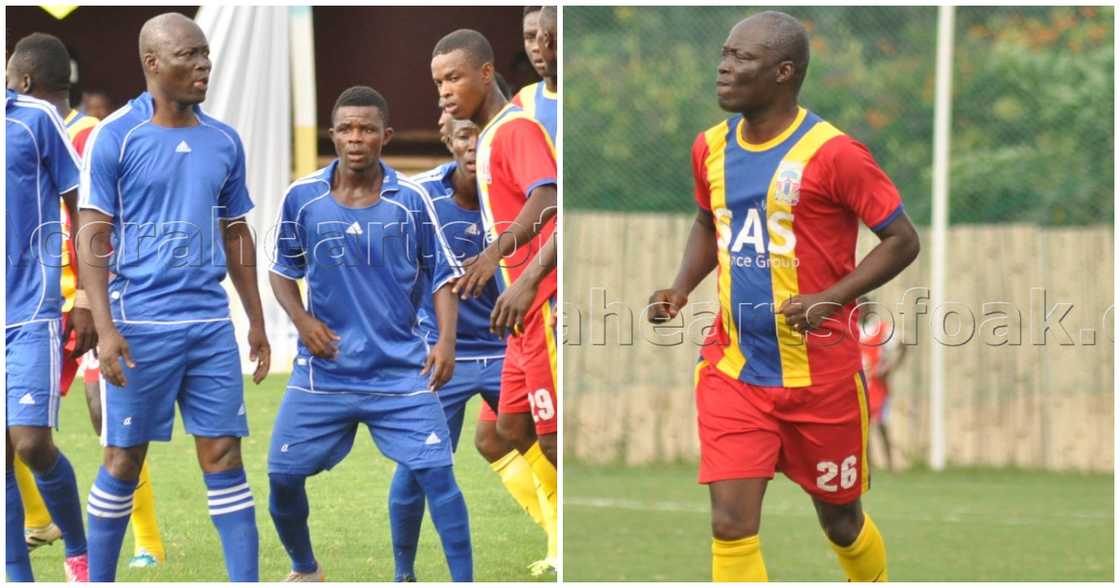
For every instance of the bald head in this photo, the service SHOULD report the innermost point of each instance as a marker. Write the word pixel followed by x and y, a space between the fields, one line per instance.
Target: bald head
pixel 782 35
pixel 163 31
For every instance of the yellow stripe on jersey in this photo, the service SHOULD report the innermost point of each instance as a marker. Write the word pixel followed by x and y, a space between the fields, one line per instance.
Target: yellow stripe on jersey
pixel 69 281
pixel 865 482
pixel 783 258
pixel 733 359
pixel 528 98
pixel 549 336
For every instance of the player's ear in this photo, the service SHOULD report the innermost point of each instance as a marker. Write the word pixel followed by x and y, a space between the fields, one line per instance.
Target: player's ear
pixel 785 72
pixel 487 73
pixel 387 136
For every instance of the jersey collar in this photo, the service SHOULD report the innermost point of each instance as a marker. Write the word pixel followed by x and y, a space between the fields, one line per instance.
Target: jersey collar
pixel 146 105
pixel 389 180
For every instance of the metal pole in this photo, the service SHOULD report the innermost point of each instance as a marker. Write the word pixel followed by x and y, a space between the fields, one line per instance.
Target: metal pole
pixel 942 115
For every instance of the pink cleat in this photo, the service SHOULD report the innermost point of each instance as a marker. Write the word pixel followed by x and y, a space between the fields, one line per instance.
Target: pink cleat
pixel 77 568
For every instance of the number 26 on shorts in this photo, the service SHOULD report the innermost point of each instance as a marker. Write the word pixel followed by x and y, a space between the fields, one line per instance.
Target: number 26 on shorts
pixel 540 405
pixel 828 470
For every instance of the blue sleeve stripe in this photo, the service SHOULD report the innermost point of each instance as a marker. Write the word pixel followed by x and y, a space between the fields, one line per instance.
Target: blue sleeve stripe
pixel 890 218
pixel 452 261
pixel 538 184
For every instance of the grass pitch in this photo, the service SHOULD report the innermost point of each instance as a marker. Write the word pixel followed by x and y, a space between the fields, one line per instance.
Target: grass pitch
pixel 651 524
pixel 349 507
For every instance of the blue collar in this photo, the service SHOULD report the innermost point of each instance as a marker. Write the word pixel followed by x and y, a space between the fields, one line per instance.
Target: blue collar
pixel 389 181
pixel 145 104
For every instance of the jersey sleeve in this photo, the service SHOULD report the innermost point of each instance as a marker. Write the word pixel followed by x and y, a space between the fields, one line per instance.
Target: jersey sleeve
pixel 59 158
pixel 290 259
pixel 700 172
pixel 79 140
pixel 862 186
pixel 436 257
pixel 529 155
pixel 234 199
pixel 100 173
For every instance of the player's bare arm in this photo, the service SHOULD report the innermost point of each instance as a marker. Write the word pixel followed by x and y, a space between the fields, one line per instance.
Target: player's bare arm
pixel 319 339
pixel 241 256
pixel 898 247
pixel 440 362
pixel 94 250
pixel 81 321
pixel 510 308
pixel 699 260
pixel 538 210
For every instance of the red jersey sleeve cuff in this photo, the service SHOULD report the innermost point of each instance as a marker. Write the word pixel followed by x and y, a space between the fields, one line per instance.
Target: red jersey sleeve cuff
pixel 889 219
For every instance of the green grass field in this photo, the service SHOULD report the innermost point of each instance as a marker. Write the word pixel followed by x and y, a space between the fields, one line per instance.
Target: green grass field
pixel 651 524
pixel 349 518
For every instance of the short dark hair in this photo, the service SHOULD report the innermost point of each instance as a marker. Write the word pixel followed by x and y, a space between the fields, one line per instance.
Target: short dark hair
pixel 470 41
pixel 529 10
pixel 45 58
pixel 361 96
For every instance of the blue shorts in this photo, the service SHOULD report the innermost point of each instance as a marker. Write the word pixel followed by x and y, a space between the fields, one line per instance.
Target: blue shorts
pixel 196 364
pixel 315 431
pixel 472 376
pixel 33 364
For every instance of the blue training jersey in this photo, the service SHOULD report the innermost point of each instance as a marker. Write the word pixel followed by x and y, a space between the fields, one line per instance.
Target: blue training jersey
pixel 466 236
pixel 364 270
pixel 167 189
pixel 41 166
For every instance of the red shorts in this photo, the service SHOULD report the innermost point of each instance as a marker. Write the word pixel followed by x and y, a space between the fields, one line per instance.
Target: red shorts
pixel 817 436
pixel 529 373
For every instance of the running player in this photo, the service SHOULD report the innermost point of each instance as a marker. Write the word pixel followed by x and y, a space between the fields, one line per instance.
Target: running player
pixel 478 352
pixel 361 235
pixel 517 190
pixel 539 100
pixel 42 165
pixel 881 352
pixel 781 194
pixel 41 68
pixel 161 172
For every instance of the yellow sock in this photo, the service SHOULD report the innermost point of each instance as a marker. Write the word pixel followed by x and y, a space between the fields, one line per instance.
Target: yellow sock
pixel 865 560
pixel 545 475
pixel 144 528
pixel 35 513
pixel 739 560
pixel 517 477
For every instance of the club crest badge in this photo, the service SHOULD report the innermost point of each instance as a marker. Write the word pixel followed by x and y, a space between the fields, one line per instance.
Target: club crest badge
pixel 787 188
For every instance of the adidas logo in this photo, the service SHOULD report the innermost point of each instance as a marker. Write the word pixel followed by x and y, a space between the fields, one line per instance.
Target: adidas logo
pixel 354 229
pixel 183 147
pixel 432 439
pixel 26 399
pixel 472 229
pixel 241 411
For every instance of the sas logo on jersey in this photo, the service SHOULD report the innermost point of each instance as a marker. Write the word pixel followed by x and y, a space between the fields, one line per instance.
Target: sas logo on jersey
pixel 787 186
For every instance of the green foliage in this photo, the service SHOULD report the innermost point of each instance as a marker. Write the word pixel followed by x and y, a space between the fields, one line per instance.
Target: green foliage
pixel 1032 104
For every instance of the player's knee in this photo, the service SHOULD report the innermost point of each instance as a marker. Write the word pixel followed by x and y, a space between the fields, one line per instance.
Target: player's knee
pixel 438 483
pixel 35 448
pixel 286 493
pixel 218 454
pixel 124 463
pixel 548 446
pixel 516 432
pixel 489 444
pixel 730 524
pixel 842 525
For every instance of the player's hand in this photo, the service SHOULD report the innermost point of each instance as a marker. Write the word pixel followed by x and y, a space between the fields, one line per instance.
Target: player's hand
pixel 319 339
pixel 259 351
pixel 806 312
pixel 478 271
pixel 111 348
pixel 440 364
pixel 511 307
pixel 85 334
pixel 666 304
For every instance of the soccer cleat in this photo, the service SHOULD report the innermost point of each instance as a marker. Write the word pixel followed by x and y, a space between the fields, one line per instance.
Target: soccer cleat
pixel 316 576
pixel 143 559
pixel 538 568
pixel 39 536
pixel 77 568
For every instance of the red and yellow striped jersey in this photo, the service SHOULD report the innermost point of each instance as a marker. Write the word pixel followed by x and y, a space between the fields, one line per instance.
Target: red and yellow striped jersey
pixel 787 217
pixel 78 126
pixel 540 105
pixel 515 157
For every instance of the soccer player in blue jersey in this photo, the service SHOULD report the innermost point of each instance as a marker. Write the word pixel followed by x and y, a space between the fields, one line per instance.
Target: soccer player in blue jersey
pixel 166 183
pixel 478 351
pixel 41 166
pixel 362 236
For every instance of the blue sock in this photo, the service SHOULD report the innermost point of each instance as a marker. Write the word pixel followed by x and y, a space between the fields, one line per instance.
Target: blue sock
pixel 449 515
pixel 406 513
pixel 287 503
pixel 110 504
pixel 17 564
pixel 59 489
pixel 231 509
